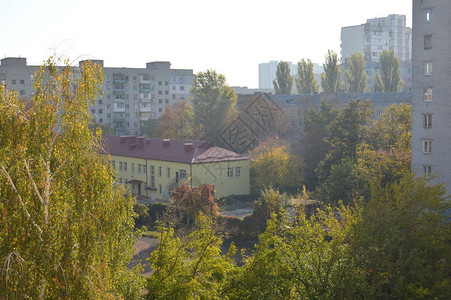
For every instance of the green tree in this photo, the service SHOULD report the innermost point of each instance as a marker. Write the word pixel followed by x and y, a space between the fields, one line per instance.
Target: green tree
pixel 305 78
pixel 213 103
pixel 302 258
pixel 390 79
pixel 402 241
pixel 189 267
pixel 314 146
pixel 331 78
pixel 177 122
pixel 393 129
pixel 66 230
pixel 356 75
pixel 347 132
pixel 149 128
pixel 283 84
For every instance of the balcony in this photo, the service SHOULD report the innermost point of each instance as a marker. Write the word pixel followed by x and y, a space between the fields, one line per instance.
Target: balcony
pixel 118 107
pixel 144 78
pixel 145 109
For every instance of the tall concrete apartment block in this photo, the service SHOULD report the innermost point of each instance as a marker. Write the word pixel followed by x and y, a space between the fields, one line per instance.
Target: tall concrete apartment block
pixel 372 38
pixel 130 96
pixel 431 90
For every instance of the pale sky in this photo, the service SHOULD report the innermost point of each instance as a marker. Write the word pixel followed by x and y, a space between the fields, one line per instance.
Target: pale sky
pixel 229 36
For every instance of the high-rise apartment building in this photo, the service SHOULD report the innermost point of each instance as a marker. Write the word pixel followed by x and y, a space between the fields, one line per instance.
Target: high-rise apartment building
pixel 130 95
pixel 431 90
pixel 376 35
pixel 267 73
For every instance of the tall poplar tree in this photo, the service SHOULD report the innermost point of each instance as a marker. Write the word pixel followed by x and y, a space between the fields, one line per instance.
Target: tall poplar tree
pixel 331 80
pixel 390 78
pixel 305 78
pixel 66 230
pixel 283 84
pixel 356 75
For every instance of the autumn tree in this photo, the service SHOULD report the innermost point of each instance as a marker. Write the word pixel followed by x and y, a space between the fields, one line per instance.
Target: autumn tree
pixel 272 164
pixel 149 127
pixel 283 84
pixel 213 103
pixel 390 78
pixel 305 78
pixel 355 74
pixel 331 81
pixel 177 122
pixel 66 230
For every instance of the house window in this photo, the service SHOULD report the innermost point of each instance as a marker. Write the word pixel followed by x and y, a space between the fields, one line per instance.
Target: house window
pixel 427 170
pixel 144 169
pixel 159 171
pixel 427 146
pixel 428 68
pixel 160 188
pixel 152 176
pixel 182 174
pixel 427 121
pixel 427 94
pixel 120 166
pixel 13 81
pixel 114 164
pixel 378 113
pixel 427 42
pixel 22 82
pixel 182 88
pixel 125 166
pixel 133 167
pixel 230 172
pixel 428 17
pixel 238 171
pixel 169 172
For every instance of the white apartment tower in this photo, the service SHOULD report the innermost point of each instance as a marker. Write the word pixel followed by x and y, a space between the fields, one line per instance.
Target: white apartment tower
pixel 130 96
pixel 376 35
pixel 431 90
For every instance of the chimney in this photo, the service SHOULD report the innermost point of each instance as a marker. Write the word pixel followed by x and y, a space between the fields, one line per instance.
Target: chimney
pixel 166 142
pixel 188 147
pixel 140 142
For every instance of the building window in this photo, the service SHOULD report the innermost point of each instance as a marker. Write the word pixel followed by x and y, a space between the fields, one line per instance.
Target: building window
pixel 182 174
pixel 182 88
pixel 120 166
pixel 160 188
pixel 13 81
pixel 22 92
pixel 139 168
pixel 427 146
pixel 427 42
pixel 427 170
pixel 152 176
pixel 427 94
pixel 378 113
pixel 238 171
pixel 428 68
pixel 230 172
pixel 292 113
pixel 159 171
pixel 133 167
pixel 114 164
pixel 144 169
pixel 428 17
pixel 160 110
pixel 169 172
pixel 427 121
pixel 125 166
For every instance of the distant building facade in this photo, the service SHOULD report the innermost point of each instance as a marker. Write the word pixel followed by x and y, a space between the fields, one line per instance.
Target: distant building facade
pixel 431 91
pixel 267 73
pixel 376 35
pixel 130 95
pixel 153 167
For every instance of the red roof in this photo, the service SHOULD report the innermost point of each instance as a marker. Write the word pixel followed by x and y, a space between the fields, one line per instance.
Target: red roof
pixel 181 151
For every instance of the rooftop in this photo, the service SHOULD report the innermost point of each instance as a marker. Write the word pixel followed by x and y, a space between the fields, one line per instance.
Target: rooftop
pixel 181 151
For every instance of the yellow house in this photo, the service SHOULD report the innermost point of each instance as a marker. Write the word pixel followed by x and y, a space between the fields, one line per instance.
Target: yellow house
pixel 153 167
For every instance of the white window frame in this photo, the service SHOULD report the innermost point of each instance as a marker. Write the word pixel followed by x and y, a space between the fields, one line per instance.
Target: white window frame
pixel 427 68
pixel 427 146
pixel 238 172
pixel 427 121
pixel 230 172
pixel 427 94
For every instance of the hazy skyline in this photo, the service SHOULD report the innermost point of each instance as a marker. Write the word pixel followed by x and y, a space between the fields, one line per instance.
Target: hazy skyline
pixel 231 37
